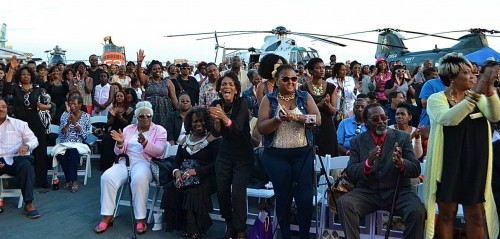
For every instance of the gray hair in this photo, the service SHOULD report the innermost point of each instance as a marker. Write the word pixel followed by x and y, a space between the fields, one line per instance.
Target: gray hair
pixel 143 105
pixel 451 65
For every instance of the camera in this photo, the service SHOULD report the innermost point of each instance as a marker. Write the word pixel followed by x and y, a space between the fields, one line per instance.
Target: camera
pixel 310 119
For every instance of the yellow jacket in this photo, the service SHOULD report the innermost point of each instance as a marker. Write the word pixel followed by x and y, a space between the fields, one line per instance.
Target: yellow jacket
pixel 440 115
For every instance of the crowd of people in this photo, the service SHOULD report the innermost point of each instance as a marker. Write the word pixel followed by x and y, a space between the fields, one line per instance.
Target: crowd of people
pixel 386 119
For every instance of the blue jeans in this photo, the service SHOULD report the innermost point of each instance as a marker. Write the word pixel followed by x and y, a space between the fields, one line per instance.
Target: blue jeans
pixel 69 163
pixel 291 172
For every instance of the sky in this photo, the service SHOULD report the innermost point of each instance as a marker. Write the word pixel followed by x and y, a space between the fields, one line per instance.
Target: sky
pixel 80 26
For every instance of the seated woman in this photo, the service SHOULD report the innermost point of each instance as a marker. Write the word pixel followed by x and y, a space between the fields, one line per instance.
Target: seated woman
pixel 119 116
pixel 175 120
pixel 186 206
pixel 141 141
pixel 403 117
pixel 74 128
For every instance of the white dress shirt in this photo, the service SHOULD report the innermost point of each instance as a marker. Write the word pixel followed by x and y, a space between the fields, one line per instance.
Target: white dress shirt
pixel 13 134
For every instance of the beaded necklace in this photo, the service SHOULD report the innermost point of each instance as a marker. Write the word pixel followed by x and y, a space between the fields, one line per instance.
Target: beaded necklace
pixel 317 90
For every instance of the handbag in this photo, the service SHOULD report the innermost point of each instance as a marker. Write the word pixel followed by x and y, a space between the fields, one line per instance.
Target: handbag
pixel 262 228
pixel 191 180
pixel 162 170
pixel 341 186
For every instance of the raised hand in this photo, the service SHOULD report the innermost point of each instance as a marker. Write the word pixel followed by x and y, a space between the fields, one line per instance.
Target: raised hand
pixel 397 156
pixel 416 134
pixel 14 62
pixel 117 136
pixel 140 55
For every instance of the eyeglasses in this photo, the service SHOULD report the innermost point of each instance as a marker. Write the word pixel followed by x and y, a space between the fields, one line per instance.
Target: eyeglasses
pixel 400 71
pixel 185 68
pixel 358 129
pixel 143 116
pixel 379 118
pixel 286 79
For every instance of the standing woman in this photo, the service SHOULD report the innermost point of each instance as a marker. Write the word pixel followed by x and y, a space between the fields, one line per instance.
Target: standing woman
pixel 57 89
pixel 325 97
pixel 121 78
pixel 288 155
pixel 398 83
pixel 84 84
pixel 459 159
pixel 159 91
pixel 347 90
pixel 233 165
pixel 26 107
pixel 380 76
pixel 267 71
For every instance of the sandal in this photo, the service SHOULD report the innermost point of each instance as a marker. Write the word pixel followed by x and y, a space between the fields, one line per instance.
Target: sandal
pixel 141 228
pixel 74 187
pixel 103 226
pixel 66 185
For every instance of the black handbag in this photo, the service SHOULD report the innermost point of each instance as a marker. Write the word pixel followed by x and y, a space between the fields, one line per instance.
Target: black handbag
pixel 162 170
pixel 191 180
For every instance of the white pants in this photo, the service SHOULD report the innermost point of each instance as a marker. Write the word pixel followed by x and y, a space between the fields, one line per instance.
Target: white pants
pixel 113 178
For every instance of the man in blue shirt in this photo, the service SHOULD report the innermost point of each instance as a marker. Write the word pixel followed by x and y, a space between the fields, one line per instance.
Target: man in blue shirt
pixel 351 127
pixel 429 88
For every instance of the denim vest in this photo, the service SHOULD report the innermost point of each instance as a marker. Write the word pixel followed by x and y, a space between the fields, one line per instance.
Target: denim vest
pixel 301 101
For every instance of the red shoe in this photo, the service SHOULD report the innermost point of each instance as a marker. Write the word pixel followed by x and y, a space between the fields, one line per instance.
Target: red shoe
pixel 103 226
pixel 141 228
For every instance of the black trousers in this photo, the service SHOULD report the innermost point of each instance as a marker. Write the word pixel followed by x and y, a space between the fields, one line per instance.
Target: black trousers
pixel 22 169
pixel 233 201
pixel 356 204
pixel 40 152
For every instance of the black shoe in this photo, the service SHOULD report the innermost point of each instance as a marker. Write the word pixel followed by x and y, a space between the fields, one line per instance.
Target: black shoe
pixel 185 234
pixel 230 234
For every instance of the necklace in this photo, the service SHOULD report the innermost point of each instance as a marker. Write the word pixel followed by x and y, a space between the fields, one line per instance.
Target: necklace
pixel 286 98
pixel 228 113
pixel 317 90
pixel 452 98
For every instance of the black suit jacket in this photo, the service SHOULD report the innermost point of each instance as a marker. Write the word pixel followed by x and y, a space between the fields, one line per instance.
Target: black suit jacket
pixel 383 176
pixel 174 125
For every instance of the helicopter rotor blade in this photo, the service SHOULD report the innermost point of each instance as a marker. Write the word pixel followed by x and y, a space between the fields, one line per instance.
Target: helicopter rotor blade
pixel 317 38
pixel 427 34
pixel 216 40
pixel 352 33
pixel 437 33
pixel 351 39
pixel 227 35
pixel 206 33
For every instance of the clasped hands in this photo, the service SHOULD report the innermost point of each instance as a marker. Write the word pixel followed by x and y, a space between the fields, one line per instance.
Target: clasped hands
pixel 180 176
pixel 397 155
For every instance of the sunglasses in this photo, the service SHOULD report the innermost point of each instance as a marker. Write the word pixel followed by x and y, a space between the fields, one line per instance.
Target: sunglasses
pixel 400 71
pixel 378 119
pixel 286 79
pixel 185 68
pixel 143 116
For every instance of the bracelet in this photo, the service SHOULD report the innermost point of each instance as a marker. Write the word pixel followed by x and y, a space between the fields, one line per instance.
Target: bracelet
pixel 367 165
pixel 175 170
pixel 139 62
pixel 229 123
pixel 119 144
pixel 490 94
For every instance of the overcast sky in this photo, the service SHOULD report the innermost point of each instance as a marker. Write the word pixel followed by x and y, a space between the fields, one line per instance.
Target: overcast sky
pixel 80 26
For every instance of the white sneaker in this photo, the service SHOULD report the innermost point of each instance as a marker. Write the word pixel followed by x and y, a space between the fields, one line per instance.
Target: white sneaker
pixel 158 226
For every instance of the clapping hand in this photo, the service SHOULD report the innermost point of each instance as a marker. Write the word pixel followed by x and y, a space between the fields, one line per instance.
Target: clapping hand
pixel 112 111
pixel 397 156
pixel 141 138
pixel 416 134
pixel 373 155
pixel 117 136
pixel 23 150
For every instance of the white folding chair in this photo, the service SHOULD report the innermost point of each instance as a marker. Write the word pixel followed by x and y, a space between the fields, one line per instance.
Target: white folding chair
pixel 10 193
pixel 151 205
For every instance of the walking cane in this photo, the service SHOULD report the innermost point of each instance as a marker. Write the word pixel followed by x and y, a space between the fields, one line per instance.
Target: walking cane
pixel 127 164
pixel 393 207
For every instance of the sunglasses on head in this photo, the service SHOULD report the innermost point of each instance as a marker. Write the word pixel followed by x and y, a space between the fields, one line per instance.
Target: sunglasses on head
pixel 143 116
pixel 379 118
pixel 293 78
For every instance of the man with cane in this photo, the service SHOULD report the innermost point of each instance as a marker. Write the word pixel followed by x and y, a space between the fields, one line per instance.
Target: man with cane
pixel 381 164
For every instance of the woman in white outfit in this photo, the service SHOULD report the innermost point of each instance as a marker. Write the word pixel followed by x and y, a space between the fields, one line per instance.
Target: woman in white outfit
pixel 141 141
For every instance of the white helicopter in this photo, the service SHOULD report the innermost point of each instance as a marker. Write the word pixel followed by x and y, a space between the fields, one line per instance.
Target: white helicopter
pixel 6 53
pixel 278 43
